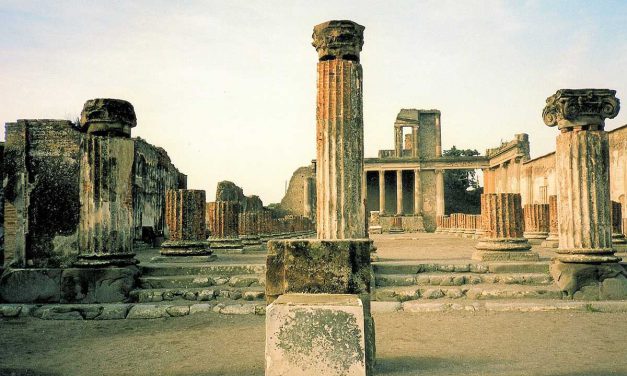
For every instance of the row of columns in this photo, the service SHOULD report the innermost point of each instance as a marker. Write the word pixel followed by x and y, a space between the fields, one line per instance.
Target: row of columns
pixel 439 176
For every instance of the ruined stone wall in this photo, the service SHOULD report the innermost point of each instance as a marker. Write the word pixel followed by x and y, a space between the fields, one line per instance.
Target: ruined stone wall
pixel 229 191
pixel 428 135
pixel 293 201
pixel 153 174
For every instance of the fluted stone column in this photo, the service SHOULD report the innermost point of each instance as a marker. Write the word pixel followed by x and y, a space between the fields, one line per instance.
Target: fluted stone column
pixel 399 192
pixel 585 252
pixel 105 235
pixel 618 239
pixel 479 227
pixel 185 219
pixel 224 236
pixel 249 229
pixel 503 239
pixel 552 241
pixel 470 225
pixel 439 192
pixel 338 261
pixel 536 222
pixel 381 192
pixel 439 222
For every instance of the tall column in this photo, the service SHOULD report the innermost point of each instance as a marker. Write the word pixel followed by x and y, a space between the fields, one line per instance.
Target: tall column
pixel 502 220
pixel 585 253
pixel 617 223
pixel 552 241
pixel 439 192
pixel 381 192
pixel 185 219
pixel 417 192
pixel 536 221
pixel 399 192
pixel 105 235
pixel 398 142
pixel 323 271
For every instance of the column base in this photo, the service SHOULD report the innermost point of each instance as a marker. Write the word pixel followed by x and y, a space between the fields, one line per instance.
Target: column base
pixel 101 260
pixel 250 240
pixel 185 248
pixel 551 242
pixel 618 238
pixel 468 233
pixel 226 245
pixel 535 235
pixel 606 281
pixel 586 255
pixel 504 249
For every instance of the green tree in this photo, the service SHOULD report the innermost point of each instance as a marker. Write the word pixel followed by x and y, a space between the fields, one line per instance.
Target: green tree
pixel 462 193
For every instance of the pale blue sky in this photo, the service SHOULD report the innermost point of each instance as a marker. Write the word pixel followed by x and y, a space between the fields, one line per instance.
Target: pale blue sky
pixel 228 87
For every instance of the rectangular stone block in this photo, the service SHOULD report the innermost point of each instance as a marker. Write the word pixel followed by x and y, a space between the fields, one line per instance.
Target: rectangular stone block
pixel 316 334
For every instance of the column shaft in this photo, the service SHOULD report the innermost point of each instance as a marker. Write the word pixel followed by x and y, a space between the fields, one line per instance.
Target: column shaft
pixel 417 192
pixel 399 192
pixel 439 192
pixel 381 192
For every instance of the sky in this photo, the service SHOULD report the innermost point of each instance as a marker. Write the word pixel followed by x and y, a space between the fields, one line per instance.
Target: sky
pixel 228 87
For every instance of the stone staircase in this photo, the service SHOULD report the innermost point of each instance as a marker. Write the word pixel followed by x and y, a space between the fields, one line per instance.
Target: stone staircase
pixel 409 281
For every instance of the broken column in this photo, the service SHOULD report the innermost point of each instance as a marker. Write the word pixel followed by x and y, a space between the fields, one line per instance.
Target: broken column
pixel 249 229
pixel 536 222
pixel 224 237
pixel 585 254
pixel 552 241
pixel 470 222
pixel 479 227
pixel 502 220
pixel 185 220
pixel 618 239
pixel 106 194
pixel 330 275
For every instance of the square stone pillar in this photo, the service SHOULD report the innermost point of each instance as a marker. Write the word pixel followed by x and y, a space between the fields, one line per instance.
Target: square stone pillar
pixel 585 254
pixel 502 221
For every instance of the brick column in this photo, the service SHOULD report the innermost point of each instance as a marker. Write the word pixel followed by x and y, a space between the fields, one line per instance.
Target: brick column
pixel 585 252
pixel 617 223
pixel 249 229
pixel 503 239
pixel 185 219
pixel 536 222
pixel 224 235
pixel 552 241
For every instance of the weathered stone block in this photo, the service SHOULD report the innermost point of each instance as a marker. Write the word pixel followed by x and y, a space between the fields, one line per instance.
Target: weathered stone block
pixel 611 278
pixel 98 285
pixel 316 334
pixel 31 285
pixel 318 266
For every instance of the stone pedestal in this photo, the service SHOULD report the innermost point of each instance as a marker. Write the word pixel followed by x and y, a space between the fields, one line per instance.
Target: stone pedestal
pixel 315 335
pixel 502 221
pixel 186 223
pixel 536 222
pixel 224 236
pixel 105 234
pixel 585 253
pixel 618 238
pixel 552 241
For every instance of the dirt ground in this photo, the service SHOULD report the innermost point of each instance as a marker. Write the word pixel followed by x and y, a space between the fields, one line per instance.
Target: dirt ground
pixel 456 343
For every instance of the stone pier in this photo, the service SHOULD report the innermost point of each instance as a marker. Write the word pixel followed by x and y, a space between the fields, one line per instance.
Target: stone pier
pixel 536 222
pixel 105 235
pixel 618 238
pixel 224 236
pixel 552 241
pixel 186 223
pixel 586 263
pixel 502 220
pixel 338 262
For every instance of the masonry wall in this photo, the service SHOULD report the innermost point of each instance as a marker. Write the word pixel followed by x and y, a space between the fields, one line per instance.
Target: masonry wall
pixel 293 201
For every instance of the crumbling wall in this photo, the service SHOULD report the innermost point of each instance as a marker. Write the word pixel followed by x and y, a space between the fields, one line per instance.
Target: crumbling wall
pixel 153 175
pixel 293 201
pixel 229 191
pixel 41 192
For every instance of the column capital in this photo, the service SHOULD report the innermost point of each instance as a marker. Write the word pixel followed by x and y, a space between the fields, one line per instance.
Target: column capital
pixel 338 39
pixel 569 108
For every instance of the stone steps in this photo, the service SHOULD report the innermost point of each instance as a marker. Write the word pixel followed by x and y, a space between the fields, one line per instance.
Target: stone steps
pixel 214 293
pixel 178 269
pixel 412 267
pixel 191 281
pixel 458 279
pixel 468 292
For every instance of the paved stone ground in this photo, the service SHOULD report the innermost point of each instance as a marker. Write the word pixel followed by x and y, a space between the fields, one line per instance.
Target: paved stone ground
pixel 450 343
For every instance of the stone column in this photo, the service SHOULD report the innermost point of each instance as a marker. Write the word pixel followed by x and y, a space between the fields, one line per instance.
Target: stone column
pixel 399 192
pixel 398 142
pixel 438 135
pixel 471 225
pixel 502 220
pixel 415 143
pixel 417 192
pixel 308 189
pixel 248 229
pixel 536 222
pixel 552 241
pixel 338 262
pixel 185 219
pixel 224 237
pixel 479 227
pixel 585 253
pixel 617 223
pixel 105 235
pixel 439 192
pixel 381 192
